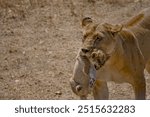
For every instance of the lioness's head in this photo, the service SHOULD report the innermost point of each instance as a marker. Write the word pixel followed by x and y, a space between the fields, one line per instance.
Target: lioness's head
pixel 98 36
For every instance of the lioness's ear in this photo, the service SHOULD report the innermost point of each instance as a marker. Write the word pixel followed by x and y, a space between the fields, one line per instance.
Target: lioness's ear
pixel 113 28
pixel 86 21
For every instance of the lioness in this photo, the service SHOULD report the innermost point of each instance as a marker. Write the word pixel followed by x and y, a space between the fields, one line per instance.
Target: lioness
pixel 127 48
pixel 124 51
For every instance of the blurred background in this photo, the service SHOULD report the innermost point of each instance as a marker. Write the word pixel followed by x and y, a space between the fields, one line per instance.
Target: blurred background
pixel 39 40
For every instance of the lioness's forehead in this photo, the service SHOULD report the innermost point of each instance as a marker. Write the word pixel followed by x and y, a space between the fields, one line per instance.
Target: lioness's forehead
pixel 91 30
pixel 93 34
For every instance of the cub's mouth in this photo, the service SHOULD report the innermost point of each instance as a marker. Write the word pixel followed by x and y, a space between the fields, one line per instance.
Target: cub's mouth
pixel 100 62
pixel 96 67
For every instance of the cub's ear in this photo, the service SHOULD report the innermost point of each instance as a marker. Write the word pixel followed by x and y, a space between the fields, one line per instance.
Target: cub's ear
pixel 113 28
pixel 86 21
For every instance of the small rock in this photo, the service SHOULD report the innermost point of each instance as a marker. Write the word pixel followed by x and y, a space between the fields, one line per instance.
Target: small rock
pixel 16 81
pixel 58 93
pixel 41 42
pixel 24 52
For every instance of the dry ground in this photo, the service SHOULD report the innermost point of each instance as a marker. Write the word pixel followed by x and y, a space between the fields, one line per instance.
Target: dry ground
pixel 39 42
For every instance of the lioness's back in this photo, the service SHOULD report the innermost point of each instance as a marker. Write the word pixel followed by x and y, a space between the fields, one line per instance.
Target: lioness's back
pixel 145 23
pixel 141 20
pixel 140 26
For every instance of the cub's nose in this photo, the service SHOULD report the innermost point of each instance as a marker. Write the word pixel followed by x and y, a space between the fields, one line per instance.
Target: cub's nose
pixel 85 50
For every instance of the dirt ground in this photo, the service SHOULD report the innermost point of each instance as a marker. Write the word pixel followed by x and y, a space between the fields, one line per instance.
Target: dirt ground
pixel 39 42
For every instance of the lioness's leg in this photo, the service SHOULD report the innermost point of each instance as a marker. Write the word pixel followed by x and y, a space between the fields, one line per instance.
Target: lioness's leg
pixel 140 88
pixel 148 66
pixel 100 90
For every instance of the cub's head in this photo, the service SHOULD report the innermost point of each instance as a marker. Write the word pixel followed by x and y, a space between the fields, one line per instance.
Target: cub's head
pixel 98 36
pixel 98 58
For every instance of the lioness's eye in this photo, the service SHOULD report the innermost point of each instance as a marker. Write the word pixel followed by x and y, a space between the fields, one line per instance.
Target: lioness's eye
pixel 98 38
pixel 84 37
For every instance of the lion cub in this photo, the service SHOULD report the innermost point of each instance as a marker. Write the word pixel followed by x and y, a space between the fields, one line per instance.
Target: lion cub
pixel 98 58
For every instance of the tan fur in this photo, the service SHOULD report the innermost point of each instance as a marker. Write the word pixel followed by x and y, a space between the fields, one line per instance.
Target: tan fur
pixel 79 80
pixel 128 47
pixel 141 30
pixel 134 20
pixel 123 66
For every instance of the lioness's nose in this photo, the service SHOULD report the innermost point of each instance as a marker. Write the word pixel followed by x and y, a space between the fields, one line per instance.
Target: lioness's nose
pixel 85 50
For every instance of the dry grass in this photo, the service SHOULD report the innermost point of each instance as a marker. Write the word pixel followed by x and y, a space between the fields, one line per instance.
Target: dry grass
pixel 37 53
pixel 15 3
pixel 19 8
pixel 121 2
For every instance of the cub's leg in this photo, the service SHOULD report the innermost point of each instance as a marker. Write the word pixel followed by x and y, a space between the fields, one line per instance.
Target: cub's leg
pixel 100 90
